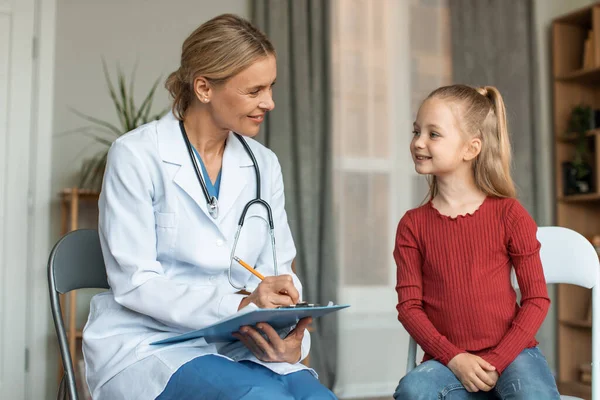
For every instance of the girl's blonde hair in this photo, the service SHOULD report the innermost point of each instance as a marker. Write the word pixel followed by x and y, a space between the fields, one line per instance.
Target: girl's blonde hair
pixel 217 50
pixel 481 114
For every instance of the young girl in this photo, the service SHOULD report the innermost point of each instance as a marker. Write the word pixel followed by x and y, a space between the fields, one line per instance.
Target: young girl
pixel 455 254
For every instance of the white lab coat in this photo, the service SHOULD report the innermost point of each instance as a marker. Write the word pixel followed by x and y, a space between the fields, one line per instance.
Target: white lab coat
pixel 167 259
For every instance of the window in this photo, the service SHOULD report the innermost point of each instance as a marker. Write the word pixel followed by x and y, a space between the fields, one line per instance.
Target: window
pixel 387 55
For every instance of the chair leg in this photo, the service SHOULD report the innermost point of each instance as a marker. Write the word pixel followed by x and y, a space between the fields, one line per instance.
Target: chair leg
pixel 62 392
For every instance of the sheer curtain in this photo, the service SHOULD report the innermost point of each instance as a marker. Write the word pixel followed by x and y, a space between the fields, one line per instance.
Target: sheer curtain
pixel 387 55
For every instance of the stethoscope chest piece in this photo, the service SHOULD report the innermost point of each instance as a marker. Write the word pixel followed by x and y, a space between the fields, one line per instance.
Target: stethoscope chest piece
pixel 213 207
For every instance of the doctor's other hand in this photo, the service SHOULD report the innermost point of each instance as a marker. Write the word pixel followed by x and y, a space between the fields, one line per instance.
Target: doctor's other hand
pixel 272 292
pixel 473 372
pixel 273 348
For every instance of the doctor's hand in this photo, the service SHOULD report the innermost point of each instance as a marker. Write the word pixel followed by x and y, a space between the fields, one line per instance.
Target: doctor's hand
pixel 273 348
pixel 272 292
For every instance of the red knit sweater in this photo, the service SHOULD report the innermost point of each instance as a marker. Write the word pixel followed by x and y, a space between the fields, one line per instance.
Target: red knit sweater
pixel 453 281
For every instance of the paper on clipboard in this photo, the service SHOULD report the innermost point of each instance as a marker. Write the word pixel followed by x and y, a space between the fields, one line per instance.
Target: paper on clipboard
pixel 278 318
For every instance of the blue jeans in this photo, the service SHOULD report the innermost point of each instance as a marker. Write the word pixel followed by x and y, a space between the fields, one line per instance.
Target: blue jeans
pixel 526 378
pixel 214 377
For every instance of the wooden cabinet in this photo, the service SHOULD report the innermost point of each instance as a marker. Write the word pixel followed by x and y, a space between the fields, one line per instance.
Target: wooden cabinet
pixel 72 202
pixel 576 82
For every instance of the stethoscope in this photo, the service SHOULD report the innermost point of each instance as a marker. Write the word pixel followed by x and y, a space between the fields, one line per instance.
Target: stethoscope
pixel 213 204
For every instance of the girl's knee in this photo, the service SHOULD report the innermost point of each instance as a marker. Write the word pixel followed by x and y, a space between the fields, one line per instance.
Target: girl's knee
pixel 413 386
pixel 528 390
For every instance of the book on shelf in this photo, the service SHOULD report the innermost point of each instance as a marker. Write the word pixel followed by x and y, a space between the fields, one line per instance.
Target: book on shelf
pixel 588 51
pixel 585 374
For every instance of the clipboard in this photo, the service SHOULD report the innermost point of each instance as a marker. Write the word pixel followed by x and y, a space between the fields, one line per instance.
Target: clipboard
pixel 278 318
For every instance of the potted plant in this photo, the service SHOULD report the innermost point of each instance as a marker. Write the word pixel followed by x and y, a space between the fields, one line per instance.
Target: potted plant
pixel 130 117
pixel 578 172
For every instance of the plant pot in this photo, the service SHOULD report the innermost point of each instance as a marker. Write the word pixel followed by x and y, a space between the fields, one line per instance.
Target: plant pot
pixel 576 180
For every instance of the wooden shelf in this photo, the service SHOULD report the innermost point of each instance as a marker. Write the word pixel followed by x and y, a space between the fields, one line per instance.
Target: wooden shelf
pixel 572 138
pixel 576 323
pixel 575 388
pixel 580 198
pixel 587 76
pixel 576 17
pixel 70 200
pixel 82 193
pixel 576 81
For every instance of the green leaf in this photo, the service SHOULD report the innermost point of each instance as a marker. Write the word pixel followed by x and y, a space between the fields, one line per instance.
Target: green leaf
pixel 98 138
pixel 160 114
pixel 142 114
pixel 123 90
pixel 113 96
pixel 87 170
pixel 93 170
pixel 98 121
pixel 132 111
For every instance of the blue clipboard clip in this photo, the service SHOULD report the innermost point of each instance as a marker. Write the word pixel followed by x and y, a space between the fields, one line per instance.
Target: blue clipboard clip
pixel 302 304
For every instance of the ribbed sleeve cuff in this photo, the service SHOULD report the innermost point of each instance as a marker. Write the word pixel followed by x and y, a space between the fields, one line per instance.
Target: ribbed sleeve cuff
pixel 447 352
pixel 497 361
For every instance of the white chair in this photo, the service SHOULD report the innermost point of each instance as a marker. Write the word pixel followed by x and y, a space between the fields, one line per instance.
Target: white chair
pixel 567 257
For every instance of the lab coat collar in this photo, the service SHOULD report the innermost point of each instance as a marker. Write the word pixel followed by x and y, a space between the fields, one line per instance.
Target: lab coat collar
pixel 173 151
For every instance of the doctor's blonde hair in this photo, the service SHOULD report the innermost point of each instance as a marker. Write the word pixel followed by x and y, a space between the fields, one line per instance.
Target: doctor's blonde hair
pixel 481 113
pixel 217 50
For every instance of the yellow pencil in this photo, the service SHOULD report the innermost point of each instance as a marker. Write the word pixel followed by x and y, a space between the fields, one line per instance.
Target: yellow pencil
pixel 249 268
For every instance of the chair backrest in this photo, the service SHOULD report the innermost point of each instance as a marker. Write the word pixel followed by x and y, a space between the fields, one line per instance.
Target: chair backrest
pixel 75 262
pixel 567 257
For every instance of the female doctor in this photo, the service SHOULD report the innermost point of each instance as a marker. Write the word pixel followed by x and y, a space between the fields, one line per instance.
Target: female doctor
pixel 168 244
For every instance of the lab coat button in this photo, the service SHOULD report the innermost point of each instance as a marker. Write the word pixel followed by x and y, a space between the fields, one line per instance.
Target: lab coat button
pixel 220 243
pixel 212 278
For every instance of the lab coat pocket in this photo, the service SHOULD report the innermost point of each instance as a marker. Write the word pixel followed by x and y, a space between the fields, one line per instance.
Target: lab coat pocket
pixel 166 224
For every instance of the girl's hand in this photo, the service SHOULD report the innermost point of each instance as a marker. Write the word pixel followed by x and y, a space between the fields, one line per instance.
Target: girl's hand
pixel 493 375
pixel 272 292
pixel 274 348
pixel 473 372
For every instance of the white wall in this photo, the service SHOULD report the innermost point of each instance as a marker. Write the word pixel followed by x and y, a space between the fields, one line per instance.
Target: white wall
pixel 544 12
pixel 123 32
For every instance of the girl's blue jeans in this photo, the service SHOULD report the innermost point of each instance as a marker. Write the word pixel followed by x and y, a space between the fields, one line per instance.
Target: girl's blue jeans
pixel 528 377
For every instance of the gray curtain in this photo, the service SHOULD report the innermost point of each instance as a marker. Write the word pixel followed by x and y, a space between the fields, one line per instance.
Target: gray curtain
pixel 299 132
pixel 493 43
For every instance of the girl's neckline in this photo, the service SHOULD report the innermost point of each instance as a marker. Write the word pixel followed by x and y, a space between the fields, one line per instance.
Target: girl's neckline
pixel 461 216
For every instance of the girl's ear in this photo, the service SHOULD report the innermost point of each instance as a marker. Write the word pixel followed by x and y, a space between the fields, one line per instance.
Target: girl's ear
pixel 473 149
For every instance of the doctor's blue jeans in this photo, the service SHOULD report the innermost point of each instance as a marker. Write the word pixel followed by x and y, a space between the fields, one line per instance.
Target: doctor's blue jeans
pixel 528 377
pixel 213 377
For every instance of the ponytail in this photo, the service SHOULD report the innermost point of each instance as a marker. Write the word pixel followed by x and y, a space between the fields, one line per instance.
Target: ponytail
pixel 181 92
